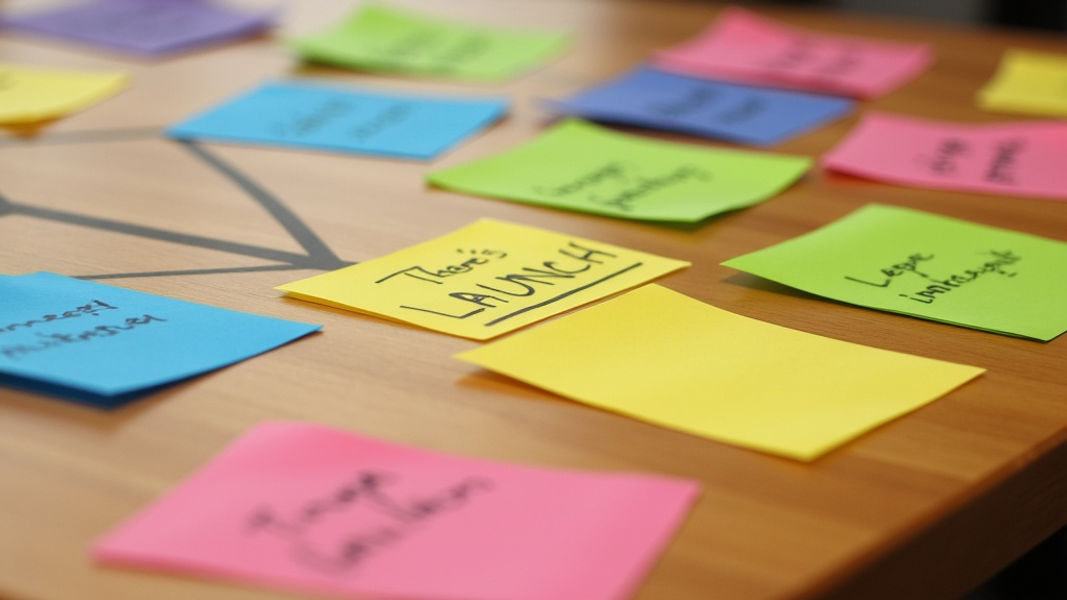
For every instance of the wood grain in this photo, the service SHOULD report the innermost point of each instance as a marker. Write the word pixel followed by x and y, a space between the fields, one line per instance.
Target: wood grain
pixel 924 507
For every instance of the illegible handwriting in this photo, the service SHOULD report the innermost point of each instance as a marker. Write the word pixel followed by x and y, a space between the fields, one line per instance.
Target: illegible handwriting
pixel 941 285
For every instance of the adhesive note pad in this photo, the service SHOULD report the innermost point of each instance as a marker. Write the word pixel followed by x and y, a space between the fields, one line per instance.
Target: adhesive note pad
pixel 742 46
pixel 484 280
pixel 28 95
pixel 344 119
pixel 927 266
pixel 582 167
pixel 320 510
pixel 1013 159
pixel 108 341
pixel 154 28
pixel 377 38
pixel 665 358
pixel 652 98
pixel 1028 82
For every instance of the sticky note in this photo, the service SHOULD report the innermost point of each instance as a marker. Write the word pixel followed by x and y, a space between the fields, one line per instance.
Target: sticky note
pixel 30 94
pixel 649 97
pixel 927 266
pixel 485 279
pixel 743 46
pixel 343 119
pixel 582 167
pixel 320 510
pixel 1013 159
pixel 109 341
pixel 154 29
pixel 378 38
pixel 1028 82
pixel 659 356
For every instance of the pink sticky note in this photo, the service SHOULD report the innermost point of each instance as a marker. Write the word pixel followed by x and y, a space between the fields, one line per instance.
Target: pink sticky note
pixel 745 47
pixel 1016 159
pixel 320 510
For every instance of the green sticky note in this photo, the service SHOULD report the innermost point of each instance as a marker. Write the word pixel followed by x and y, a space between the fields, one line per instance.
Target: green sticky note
pixel 928 266
pixel 377 38
pixel 583 167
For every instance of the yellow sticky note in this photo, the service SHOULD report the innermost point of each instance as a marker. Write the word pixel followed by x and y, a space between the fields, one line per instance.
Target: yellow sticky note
pixel 29 94
pixel 665 358
pixel 1028 82
pixel 484 280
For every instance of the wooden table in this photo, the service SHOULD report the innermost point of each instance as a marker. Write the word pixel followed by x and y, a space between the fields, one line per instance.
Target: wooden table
pixel 925 507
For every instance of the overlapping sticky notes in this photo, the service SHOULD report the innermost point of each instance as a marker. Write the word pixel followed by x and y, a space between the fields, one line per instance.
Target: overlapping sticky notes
pixel 1014 159
pixel 1028 82
pixel 29 94
pixel 579 166
pixel 743 46
pixel 102 342
pixel 928 266
pixel 378 38
pixel 343 119
pixel 485 279
pixel 662 357
pixel 155 28
pixel 320 510
pixel 649 97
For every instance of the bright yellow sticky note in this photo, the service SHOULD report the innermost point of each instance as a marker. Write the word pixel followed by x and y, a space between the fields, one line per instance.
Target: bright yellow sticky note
pixel 665 358
pixel 1028 82
pixel 484 280
pixel 28 95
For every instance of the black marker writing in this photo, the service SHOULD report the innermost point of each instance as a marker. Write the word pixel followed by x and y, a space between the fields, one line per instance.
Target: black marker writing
pixel 693 101
pixel 1004 159
pixel 744 111
pixel 48 341
pixel 92 309
pixel 953 282
pixel 321 117
pixel 908 266
pixel 381 121
pixel 436 275
pixel 642 186
pixel 619 185
pixel 384 520
pixel 946 156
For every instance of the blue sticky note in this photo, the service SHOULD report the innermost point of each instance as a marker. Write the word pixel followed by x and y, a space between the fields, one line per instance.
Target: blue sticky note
pixel 647 97
pixel 344 119
pixel 105 343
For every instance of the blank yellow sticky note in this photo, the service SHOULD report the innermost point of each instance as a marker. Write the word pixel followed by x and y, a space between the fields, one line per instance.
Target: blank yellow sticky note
pixel 29 94
pixel 1028 82
pixel 665 358
pixel 485 279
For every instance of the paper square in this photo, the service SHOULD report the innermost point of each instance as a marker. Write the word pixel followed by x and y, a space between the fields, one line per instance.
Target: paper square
pixel 344 119
pixel 582 167
pixel 320 510
pixel 661 357
pixel 378 38
pixel 927 266
pixel 485 279
pixel 648 97
pixel 1014 159
pixel 28 95
pixel 1028 82
pixel 152 28
pixel 109 341
pixel 742 46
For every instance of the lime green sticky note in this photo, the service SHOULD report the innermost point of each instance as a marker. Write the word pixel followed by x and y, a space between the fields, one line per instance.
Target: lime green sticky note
pixel 28 95
pixel 484 280
pixel 377 38
pixel 928 266
pixel 579 166
pixel 1028 82
pixel 656 355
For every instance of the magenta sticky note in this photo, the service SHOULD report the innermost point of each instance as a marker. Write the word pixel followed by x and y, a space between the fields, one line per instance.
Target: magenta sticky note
pixel 321 510
pixel 743 46
pixel 1016 159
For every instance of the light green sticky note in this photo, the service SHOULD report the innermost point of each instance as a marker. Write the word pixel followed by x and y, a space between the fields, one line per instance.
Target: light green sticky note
pixel 579 166
pixel 928 266
pixel 377 38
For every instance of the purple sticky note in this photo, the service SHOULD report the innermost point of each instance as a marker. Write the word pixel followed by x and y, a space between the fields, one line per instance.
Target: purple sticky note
pixel 153 28
pixel 648 97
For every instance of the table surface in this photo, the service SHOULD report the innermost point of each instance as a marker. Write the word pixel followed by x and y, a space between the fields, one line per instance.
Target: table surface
pixel 926 506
